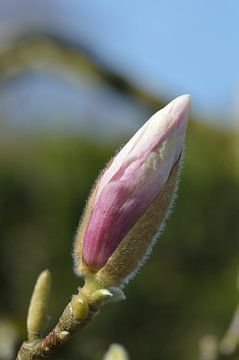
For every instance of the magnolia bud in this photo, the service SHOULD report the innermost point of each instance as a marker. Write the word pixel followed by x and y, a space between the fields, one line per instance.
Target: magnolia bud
pixel 132 198
pixel 37 312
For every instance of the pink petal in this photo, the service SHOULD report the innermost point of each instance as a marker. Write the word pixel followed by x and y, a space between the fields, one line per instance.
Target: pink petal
pixel 134 179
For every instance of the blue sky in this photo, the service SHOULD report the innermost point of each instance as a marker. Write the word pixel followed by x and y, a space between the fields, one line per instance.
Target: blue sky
pixel 173 46
pixel 170 47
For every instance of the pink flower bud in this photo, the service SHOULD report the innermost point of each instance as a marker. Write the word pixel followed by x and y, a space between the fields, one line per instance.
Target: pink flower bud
pixel 132 182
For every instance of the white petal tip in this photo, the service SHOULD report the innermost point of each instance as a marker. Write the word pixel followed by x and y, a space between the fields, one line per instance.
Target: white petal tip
pixel 180 108
pixel 184 101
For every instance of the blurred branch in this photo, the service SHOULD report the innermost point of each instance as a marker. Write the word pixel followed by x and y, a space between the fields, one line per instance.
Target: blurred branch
pixel 8 339
pixel 212 349
pixel 41 51
pixel 208 348
pixel 230 341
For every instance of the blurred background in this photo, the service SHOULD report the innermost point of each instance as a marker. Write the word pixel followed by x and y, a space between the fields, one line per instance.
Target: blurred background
pixel 77 79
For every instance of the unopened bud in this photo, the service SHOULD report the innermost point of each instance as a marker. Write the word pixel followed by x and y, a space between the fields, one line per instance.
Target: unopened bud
pixel 64 336
pixel 37 312
pixel 132 198
pixel 79 307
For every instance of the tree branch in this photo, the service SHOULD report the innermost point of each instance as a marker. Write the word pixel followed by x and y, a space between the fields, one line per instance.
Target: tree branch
pixel 78 313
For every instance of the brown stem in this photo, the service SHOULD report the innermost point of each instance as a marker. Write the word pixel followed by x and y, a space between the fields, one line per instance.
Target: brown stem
pixel 67 326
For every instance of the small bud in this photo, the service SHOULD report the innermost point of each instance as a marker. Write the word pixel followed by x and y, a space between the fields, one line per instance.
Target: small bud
pixel 37 312
pixel 64 335
pixel 79 307
pixel 118 295
pixel 132 198
pixel 99 297
pixel 116 352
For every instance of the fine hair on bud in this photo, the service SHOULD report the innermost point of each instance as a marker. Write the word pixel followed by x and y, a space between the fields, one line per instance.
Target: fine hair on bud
pixel 137 246
pixel 132 198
